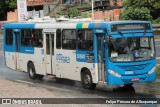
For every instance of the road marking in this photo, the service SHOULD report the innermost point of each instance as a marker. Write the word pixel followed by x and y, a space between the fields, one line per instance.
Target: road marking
pixel 24 81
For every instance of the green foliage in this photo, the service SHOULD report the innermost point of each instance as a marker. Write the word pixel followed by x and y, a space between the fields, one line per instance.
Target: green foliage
pixel 72 12
pixel 7 5
pixel 141 10
pixel 158 71
pixel 82 6
pixel 136 14
pixel 12 4
pixel 84 15
pixel 156 21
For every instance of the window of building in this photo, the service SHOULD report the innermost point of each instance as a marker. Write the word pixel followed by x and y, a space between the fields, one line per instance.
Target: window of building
pixel 69 39
pixel 58 39
pixel 85 39
pixel 9 36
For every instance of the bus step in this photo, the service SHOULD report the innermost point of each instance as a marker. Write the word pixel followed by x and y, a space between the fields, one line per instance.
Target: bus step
pixel 51 76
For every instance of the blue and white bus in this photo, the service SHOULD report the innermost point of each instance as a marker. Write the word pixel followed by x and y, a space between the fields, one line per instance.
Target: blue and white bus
pixel 113 53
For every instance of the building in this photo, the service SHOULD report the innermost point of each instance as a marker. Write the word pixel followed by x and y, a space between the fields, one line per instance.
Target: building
pixel 108 9
pixel 103 9
pixel 35 8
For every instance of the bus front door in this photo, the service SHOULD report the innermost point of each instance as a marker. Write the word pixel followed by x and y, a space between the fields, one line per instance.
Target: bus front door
pixel 12 58
pixel 101 57
pixel 49 56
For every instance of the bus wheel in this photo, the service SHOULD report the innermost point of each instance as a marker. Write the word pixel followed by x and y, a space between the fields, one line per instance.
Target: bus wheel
pixel 39 77
pixel 87 80
pixel 31 71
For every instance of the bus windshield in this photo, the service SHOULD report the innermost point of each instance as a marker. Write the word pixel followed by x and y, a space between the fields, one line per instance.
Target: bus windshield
pixel 129 49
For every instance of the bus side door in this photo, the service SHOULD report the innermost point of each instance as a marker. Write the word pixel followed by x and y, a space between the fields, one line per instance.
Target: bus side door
pixel 49 52
pixel 101 54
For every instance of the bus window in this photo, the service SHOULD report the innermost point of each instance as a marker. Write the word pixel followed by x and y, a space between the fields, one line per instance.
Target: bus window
pixel 85 40
pixel 52 35
pixel 26 37
pixel 47 44
pixel 9 36
pixel 58 39
pixel 37 38
pixel 69 39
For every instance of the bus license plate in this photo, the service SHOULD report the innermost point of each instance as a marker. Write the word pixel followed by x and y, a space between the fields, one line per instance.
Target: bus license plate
pixel 135 79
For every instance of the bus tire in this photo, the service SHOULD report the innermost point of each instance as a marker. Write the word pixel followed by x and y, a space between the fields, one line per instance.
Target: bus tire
pixel 39 77
pixel 59 80
pixel 31 71
pixel 86 80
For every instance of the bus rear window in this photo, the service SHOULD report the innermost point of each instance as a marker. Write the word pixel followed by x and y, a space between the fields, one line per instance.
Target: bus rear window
pixel 9 36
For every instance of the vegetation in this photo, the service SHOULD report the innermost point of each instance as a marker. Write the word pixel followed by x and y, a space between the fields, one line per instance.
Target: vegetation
pixel 8 5
pixel 158 71
pixel 72 12
pixel 82 6
pixel 141 10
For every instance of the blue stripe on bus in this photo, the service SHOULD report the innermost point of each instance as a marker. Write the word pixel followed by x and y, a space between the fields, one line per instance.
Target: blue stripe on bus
pixel 91 25
pixel 104 25
pixel 27 50
pixel 132 35
pixel 19 26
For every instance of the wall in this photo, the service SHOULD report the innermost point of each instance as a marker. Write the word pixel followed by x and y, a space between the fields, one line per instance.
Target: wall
pixel 12 16
pixel 109 15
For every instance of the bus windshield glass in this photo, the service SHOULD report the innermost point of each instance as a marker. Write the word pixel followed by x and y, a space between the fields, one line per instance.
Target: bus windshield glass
pixel 130 49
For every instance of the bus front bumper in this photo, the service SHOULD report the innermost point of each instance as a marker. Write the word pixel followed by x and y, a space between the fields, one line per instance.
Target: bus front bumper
pixel 114 80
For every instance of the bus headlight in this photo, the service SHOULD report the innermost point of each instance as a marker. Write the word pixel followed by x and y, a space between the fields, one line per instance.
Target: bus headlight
pixel 152 70
pixel 114 73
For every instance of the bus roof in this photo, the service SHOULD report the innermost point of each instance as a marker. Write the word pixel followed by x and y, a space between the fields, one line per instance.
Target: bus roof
pixel 69 25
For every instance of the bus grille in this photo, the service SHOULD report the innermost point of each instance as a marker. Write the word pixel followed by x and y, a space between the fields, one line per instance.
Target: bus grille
pixel 133 67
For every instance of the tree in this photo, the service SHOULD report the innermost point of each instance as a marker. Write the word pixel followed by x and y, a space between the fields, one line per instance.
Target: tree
pixel 140 10
pixel 72 12
pixel 6 6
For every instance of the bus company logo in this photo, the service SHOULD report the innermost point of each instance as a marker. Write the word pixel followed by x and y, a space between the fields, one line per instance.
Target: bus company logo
pixel 80 56
pixel 63 59
pixel 6 101
pixel 99 31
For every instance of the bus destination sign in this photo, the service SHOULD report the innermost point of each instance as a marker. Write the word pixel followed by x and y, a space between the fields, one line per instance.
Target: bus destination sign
pixel 130 26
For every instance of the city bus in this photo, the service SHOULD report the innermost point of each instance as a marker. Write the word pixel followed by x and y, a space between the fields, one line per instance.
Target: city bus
pixel 112 53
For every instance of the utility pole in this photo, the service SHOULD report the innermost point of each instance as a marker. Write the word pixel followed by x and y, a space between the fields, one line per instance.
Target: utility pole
pixel 92 10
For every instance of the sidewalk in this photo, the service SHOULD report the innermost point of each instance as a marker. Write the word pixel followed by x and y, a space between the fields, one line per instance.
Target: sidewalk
pixel 10 89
